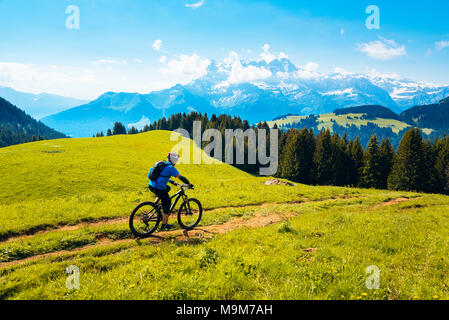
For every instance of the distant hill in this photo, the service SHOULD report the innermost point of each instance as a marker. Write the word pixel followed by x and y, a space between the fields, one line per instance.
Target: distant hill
pixel 434 116
pixel 39 105
pixel 371 112
pixel 379 116
pixel 17 127
pixel 361 121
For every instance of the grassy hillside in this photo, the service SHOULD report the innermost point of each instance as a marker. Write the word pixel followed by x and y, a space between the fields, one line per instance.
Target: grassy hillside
pixel 326 121
pixel 66 202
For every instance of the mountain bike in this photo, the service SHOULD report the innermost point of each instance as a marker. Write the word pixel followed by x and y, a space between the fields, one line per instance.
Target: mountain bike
pixel 147 216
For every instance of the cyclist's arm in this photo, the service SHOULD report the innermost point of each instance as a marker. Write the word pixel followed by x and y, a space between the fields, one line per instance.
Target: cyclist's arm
pixel 183 179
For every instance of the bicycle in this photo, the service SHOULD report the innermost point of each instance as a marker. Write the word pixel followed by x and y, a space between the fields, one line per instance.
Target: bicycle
pixel 147 216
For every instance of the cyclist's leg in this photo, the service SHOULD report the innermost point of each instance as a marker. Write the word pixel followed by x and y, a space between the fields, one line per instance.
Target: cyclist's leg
pixel 166 203
pixel 156 193
pixel 164 197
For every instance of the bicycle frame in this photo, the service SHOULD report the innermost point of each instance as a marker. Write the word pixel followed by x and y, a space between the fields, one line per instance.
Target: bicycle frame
pixel 180 194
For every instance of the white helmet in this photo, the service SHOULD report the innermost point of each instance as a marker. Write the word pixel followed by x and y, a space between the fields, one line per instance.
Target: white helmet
pixel 173 157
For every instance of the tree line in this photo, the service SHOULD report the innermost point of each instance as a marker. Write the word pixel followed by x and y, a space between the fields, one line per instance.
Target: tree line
pixel 328 159
pixel 334 159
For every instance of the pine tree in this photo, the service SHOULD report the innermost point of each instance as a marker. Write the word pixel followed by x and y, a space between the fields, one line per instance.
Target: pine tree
pixel 119 128
pixel 386 153
pixel 442 168
pixel 297 159
pixel 133 130
pixel 290 157
pixel 356 154
pixel 372 168
pixel 109 133
pixel 322 160
pixel 339 160
pixel 410 171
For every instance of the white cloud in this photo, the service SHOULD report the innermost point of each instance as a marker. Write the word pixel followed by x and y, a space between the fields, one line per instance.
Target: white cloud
pixel 283 56
pixel 309 71
pixel 238 73
pixel 266 54
pixel 162 59
pixel 441 44
pixel 138 60
pixel 110 62
pixel 342 31
pixel 373 74
pixel 157 44
pixel 184 65
pixel 63 80
pixel 311 66
pixel 80 82
pixel 382 49
pixel 342 71
pixel 195 5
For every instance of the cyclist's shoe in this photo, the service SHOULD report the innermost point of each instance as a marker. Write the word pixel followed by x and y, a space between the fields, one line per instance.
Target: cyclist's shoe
pixel 167 227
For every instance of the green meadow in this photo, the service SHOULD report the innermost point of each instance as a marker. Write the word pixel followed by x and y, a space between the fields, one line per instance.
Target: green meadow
pixel 66 202
pixel 326 121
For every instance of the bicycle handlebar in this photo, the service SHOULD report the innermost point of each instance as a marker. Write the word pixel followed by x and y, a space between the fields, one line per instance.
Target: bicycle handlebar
pixel 181 185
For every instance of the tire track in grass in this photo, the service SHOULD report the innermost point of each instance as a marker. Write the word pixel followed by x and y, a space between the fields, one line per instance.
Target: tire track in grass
pixel 111 221
pixel 259 220
pixel 393 202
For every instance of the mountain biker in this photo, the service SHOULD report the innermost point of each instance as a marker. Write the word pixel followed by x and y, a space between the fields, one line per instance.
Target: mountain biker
pixel 160 189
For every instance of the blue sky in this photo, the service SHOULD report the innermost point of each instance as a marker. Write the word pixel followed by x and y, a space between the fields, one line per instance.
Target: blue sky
pixel 115 48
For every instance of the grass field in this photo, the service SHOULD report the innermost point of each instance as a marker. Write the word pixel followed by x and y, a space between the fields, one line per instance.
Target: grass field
pixel 346 120
pixel 66 202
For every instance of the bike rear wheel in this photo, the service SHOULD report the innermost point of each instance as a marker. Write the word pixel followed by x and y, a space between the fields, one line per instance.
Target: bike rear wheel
pixel 189 214
pixel 145 219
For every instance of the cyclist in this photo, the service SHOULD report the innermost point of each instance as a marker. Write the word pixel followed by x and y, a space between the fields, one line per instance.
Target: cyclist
pixel 160 189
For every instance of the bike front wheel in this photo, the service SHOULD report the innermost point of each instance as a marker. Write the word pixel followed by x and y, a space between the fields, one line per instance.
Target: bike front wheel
pixel 145 219
pixel 189 214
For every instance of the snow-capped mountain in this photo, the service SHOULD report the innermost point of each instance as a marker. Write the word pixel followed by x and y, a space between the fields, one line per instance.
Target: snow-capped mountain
pixel 255 91
pixel 408 94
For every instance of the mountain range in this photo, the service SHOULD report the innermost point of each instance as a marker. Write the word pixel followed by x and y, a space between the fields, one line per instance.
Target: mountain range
pixel 256 91
pixel 39 105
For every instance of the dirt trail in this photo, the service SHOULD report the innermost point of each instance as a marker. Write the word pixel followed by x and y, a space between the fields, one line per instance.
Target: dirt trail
pixel 257 221
pixel 111 221
pixel 391 203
